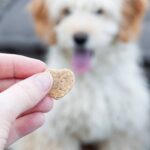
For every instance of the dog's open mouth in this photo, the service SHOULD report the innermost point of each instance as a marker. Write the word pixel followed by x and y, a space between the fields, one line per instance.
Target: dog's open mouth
pixel 82 60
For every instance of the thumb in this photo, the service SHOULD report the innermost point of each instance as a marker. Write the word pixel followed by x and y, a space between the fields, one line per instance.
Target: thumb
pixel 26 94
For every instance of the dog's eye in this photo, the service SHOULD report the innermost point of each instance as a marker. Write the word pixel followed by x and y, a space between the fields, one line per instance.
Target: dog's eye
pixel 66 12
pixel 100 11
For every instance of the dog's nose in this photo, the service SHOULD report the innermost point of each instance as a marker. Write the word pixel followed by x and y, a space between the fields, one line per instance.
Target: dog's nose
pixel 80 38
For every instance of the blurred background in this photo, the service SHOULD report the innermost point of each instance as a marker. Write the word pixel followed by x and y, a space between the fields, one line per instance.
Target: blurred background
pixel 17 33
pixel 16 30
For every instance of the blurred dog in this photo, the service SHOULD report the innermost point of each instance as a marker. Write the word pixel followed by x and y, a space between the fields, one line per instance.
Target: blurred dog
pixel 109 105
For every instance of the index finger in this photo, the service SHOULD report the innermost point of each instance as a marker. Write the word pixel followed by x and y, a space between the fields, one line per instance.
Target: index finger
pixel 15 66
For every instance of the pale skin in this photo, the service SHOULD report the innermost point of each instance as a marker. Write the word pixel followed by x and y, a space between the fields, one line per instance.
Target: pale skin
pixel 23 99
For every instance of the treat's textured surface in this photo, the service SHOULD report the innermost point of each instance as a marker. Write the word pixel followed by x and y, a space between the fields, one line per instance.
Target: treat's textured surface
pixel 63 81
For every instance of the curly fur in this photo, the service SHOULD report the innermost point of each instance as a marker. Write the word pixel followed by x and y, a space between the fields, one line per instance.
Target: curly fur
pixel 109 105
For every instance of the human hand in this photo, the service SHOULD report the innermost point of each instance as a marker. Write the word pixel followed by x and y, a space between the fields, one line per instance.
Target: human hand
pixel 23 99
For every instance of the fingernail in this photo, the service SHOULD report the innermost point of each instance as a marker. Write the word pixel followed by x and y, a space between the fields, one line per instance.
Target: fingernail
pixel 44 81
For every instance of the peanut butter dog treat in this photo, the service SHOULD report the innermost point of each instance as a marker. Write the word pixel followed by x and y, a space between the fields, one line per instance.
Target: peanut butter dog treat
pixel 63 81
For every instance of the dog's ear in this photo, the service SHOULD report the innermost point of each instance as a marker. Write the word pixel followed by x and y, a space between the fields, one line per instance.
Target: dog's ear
pixel 133 12
pixel 44 25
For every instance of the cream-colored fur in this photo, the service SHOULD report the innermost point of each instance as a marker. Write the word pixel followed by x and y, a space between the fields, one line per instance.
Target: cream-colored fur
pixel 109 105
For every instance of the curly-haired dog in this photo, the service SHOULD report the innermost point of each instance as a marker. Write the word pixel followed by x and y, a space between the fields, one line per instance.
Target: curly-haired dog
pixel 109 105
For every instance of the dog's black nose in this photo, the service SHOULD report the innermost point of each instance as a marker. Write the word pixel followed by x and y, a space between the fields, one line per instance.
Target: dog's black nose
pixel 80 38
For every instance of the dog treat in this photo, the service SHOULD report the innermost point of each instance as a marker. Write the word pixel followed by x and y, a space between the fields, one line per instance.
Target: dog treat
pixel 63 81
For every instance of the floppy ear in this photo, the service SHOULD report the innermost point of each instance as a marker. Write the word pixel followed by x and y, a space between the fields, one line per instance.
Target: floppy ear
pixel 133 12
pixel 44 25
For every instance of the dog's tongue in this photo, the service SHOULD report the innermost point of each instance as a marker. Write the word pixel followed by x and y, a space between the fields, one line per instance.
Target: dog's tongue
pixel 81 62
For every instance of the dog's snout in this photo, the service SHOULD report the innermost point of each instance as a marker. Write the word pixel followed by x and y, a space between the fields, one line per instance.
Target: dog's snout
pixel 80 38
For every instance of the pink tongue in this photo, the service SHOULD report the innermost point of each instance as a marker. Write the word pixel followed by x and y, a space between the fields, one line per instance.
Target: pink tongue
pixel 81 63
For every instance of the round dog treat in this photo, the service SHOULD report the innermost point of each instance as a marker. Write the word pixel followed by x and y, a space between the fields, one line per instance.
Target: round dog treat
pixel 63 81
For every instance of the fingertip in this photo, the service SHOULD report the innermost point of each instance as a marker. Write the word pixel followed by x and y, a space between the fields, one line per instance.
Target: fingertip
pixel 44 107
pixel 39 119
pixel 41 64
pixel 35 120
pixel 48 104
pixel 38 65
pixel 28 66
pixel 44 81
